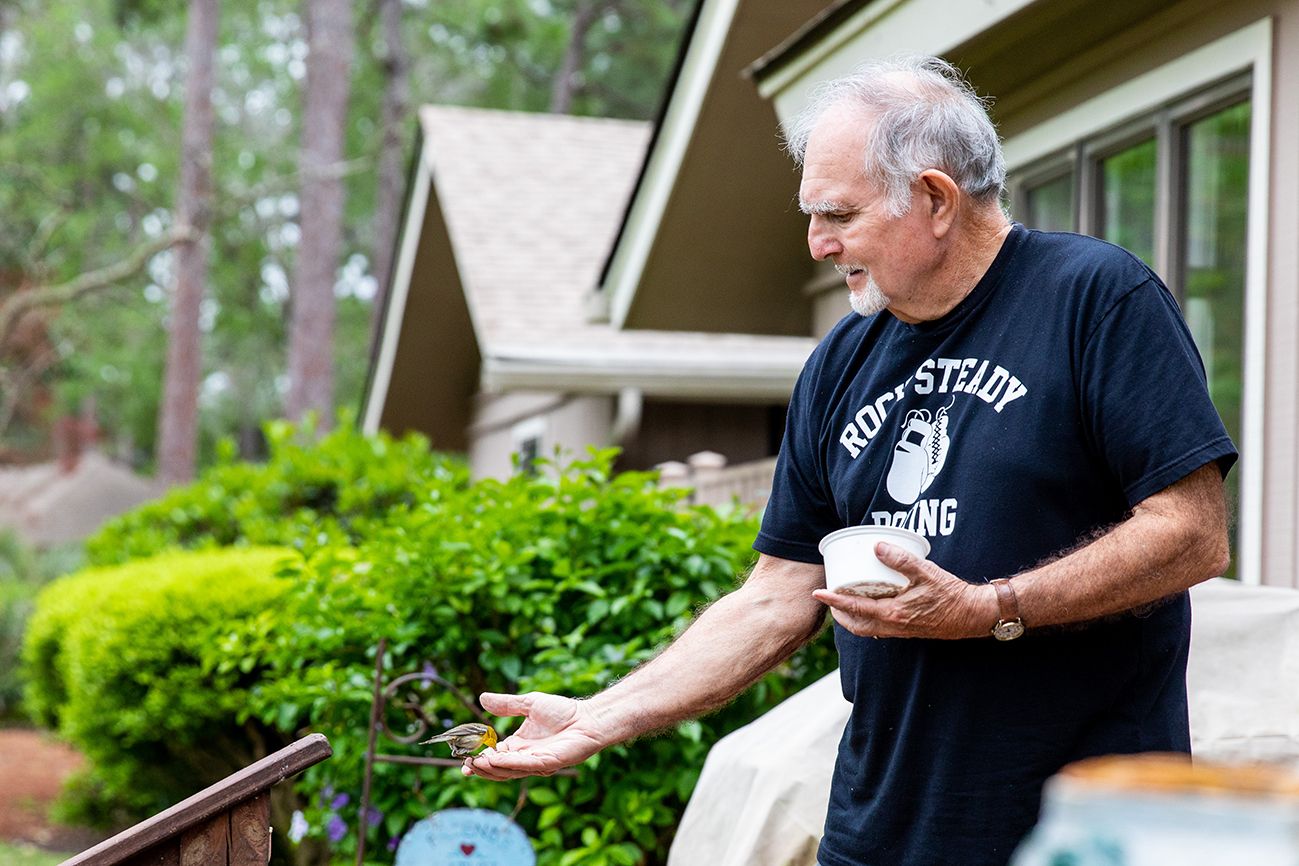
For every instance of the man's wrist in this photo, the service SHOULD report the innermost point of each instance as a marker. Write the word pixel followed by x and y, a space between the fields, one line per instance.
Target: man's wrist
pixel 989 612
pixel 611 726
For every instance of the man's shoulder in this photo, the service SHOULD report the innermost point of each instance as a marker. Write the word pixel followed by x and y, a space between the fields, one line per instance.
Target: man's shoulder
pixel 1085 277
pixel 1084 256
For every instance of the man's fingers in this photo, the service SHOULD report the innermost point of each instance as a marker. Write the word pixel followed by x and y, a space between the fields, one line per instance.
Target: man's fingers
pixel 901 560
pixel 505 705
pixel 857 605
pixel 502 766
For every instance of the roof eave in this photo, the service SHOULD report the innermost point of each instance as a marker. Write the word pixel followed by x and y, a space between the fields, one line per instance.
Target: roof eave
pixel 438 334
pixel 631 251
pixel 682 376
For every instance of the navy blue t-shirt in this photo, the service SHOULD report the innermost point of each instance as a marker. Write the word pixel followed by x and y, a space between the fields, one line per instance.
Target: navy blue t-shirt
pixel 1062 391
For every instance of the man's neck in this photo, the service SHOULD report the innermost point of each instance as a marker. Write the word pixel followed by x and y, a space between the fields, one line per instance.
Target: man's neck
pixel 969 257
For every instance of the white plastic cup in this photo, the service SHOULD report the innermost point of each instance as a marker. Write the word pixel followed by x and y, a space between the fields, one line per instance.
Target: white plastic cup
pixel 851 565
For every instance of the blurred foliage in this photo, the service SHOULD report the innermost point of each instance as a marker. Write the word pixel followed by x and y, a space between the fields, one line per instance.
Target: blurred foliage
pixel 561 581
pixel 22 854
pixel 23 571
pixel 90 106
pixel 308 494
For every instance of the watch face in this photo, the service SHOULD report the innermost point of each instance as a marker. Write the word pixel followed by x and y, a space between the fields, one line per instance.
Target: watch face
pixel 1008 630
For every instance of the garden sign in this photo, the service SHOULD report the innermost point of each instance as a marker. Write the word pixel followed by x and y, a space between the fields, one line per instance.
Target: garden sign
pixel 465 837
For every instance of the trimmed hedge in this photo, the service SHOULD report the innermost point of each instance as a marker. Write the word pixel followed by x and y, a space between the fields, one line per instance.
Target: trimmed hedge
pixel 118 660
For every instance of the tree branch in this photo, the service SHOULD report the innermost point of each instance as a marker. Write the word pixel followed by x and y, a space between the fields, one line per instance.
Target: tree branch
pixel 19 303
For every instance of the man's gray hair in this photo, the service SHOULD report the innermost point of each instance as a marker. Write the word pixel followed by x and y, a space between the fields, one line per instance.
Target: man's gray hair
pixel 926 115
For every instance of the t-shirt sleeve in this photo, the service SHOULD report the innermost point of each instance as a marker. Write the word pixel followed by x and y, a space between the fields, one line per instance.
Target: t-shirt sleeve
pixel 1145 402
pixel 800 511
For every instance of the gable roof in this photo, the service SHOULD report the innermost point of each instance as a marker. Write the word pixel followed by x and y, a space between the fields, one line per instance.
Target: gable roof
pixel 509 219
pixel 532 204
pixel 717 183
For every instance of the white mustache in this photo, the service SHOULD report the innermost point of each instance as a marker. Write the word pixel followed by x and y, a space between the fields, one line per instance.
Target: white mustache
pixel 848 269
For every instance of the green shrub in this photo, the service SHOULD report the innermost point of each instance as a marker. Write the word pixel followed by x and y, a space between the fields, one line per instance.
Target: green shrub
pixel 118 660
pixel 561 582
pixel 305 496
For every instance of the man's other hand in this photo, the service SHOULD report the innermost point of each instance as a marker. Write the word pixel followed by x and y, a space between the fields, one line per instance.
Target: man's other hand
pixel 937 604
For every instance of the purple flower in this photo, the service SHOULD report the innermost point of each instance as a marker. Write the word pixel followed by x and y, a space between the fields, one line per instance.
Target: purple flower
pixel 429 673
pixel 393 843
pixel 373 816
pixel 336 828
pixel 298 827
pixel 340 801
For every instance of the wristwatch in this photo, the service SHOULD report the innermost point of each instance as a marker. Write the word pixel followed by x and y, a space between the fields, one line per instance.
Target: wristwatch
pixel 1009 626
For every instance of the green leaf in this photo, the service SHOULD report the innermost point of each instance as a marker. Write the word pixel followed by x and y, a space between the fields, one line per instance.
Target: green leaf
pixel 678 603
pixel 542 796
pixel 550 815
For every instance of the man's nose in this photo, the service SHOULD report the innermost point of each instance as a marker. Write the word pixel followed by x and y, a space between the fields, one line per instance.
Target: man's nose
pixel 820 241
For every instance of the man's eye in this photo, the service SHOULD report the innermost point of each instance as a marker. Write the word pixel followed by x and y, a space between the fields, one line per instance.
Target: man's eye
pixel 838 218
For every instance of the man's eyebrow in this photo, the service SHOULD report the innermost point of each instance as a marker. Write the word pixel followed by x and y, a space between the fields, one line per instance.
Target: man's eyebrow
pixel 822 207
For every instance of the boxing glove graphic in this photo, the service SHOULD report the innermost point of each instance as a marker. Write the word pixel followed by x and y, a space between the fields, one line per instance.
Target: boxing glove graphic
pixel 919 455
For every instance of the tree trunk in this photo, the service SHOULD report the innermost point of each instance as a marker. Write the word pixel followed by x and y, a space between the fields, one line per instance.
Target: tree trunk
pixel 178 414
pixel 324 120
pixel 392 175
pixel 567 81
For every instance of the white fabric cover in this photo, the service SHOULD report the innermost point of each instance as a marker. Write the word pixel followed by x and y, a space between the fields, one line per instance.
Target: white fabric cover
pixel 1243 676
pixel 762 795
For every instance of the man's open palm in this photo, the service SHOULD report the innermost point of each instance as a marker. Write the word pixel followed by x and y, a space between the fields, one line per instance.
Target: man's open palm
pixel 557 732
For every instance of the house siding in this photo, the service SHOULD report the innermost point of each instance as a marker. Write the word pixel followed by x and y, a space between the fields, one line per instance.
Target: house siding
pixel 567 422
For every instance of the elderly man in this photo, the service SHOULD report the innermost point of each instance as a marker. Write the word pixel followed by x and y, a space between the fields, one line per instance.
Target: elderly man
pixel 1071 472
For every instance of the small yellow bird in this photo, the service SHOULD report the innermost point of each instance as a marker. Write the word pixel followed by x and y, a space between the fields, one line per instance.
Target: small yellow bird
pixel 463 739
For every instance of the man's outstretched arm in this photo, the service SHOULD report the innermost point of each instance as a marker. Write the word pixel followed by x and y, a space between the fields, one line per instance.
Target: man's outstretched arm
pixel 725 650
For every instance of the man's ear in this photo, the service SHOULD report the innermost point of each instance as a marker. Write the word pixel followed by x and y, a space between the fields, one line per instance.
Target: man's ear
pixel 940 195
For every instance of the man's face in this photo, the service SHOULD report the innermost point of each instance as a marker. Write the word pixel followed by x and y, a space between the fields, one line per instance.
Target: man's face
pixel 880 256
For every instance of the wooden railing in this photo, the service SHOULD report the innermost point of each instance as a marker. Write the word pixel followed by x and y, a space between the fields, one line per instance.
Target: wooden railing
pixel 713 483
pixel 227 824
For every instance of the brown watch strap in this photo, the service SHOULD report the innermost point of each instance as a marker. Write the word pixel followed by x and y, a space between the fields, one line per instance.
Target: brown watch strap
pixel 1007 602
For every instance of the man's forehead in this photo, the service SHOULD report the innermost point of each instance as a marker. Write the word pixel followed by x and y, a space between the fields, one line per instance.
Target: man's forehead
pixel 841 127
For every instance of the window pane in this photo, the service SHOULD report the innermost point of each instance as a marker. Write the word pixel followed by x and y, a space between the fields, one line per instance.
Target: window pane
pixel 1216 181
pixel 1049 205
pixel 1127 206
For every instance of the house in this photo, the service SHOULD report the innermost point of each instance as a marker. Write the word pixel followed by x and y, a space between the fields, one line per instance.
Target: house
pixel 489 345
pixel 497 340
pixel 1161 125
